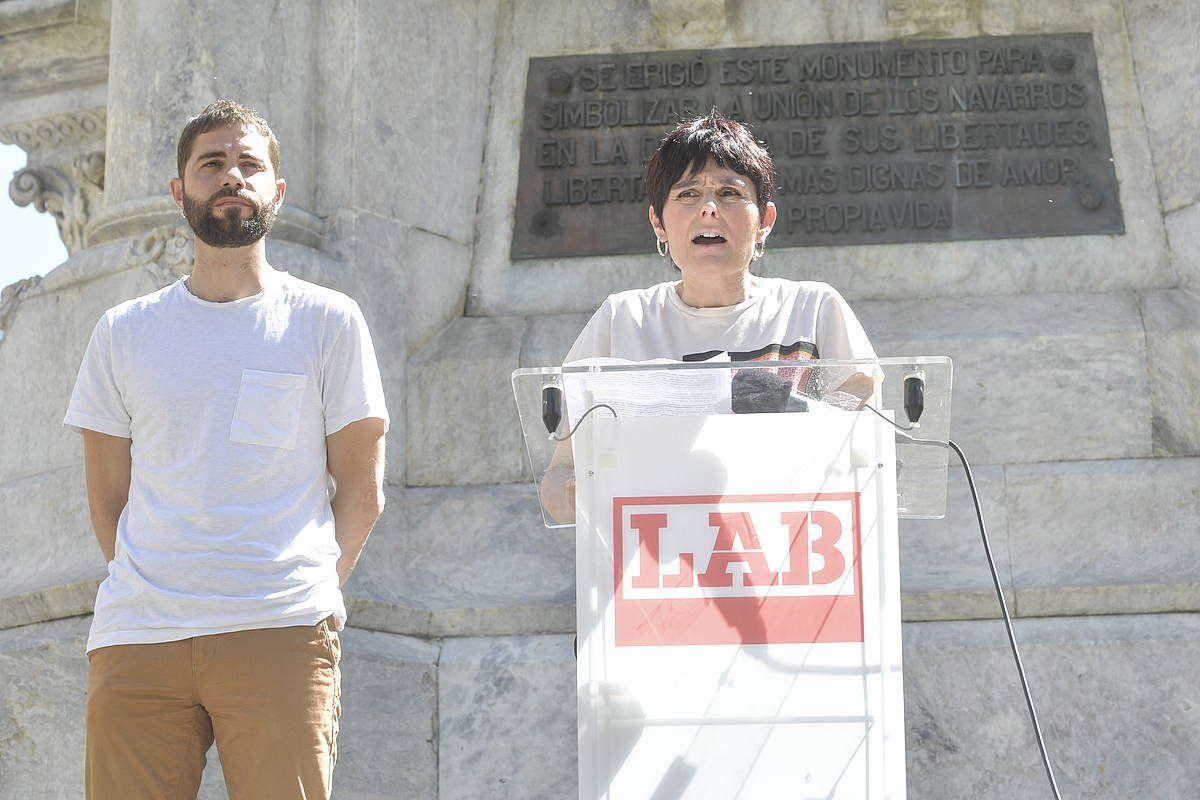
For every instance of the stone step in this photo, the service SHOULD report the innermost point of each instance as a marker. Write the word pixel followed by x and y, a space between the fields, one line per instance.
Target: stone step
pixel 42 708
pixel 1098 683
pixel 1085 537
pixel 1058 377
pixel 1089 525
pixel 1172 320
pixel 479 559
pixel 1114 695
pixel 389 725
pixel 1042 377
pixel 507 713
pixel 465 560
pixel 45 522
pixel 1088 537
pixel 495 716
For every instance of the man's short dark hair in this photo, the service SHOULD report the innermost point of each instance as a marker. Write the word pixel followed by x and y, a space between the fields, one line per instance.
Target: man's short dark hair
pixel 218 115
pixel 694 141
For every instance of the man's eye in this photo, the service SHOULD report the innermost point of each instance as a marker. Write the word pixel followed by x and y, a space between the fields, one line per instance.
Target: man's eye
pixel 686 194
pixel 213 163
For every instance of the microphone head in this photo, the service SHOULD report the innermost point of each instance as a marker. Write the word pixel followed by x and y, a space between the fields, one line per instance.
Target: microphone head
pixel 914 397
pixel 552 408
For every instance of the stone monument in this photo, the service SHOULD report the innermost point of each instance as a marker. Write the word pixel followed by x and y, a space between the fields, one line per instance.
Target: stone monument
pixel 404 129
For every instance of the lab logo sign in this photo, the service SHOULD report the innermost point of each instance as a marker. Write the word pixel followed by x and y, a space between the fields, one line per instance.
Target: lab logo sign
pixel 745 569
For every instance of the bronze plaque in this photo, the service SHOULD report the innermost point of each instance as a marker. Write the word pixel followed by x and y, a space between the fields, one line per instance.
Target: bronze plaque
pixel 919 141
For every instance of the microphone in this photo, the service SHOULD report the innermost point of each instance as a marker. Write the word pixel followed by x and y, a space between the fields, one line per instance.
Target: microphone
pixel 761 391
pixel 552 406
pixel 914 396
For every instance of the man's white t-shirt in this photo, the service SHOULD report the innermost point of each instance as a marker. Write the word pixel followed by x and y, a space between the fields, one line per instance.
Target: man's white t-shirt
pixel 780 320
pixel 228 525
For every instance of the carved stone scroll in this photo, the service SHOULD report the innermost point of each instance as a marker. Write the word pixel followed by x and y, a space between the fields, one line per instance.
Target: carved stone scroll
pixel 71 193
pixel 65 176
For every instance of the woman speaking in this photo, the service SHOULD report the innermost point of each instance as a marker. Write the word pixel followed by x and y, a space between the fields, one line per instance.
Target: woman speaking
pixel 710 186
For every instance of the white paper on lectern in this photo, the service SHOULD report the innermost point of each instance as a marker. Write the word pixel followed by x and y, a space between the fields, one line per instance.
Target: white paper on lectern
pixel 730 719
pixel 647 393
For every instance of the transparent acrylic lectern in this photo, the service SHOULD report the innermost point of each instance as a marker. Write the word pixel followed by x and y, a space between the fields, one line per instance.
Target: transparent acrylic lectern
pixel 737 566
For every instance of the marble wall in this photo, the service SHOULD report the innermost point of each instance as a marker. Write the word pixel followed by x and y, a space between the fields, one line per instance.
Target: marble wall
pixel 1077 366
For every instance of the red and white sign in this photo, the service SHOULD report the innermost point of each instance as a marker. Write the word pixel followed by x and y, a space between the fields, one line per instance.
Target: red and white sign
pixel 744 569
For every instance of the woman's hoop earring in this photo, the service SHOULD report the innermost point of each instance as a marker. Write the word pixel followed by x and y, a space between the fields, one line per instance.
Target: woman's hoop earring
pixel 662 247
pixel 760 249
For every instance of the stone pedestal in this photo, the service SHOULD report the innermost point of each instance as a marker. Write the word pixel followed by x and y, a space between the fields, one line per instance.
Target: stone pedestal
pixel 1075 370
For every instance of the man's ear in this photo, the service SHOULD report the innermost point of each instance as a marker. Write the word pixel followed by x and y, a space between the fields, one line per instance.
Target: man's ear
pixel 280 191
pixel 176 191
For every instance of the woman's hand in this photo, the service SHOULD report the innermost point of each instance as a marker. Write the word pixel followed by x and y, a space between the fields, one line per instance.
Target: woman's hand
pixel 860 385
pixel 557 487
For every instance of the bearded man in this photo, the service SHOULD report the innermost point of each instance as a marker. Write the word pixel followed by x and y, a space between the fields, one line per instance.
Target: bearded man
pixel 215 413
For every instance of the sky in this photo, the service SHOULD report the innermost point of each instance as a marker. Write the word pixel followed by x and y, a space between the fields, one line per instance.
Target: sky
pixel 29 243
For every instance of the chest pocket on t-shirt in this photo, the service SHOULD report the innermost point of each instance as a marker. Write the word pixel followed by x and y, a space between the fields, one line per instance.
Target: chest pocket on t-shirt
pixel 268 409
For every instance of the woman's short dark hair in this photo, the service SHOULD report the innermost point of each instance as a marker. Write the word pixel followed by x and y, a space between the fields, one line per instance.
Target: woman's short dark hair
pixel 694 141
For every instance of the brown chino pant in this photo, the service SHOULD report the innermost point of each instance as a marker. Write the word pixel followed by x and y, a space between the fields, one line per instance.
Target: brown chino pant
pixel 271 698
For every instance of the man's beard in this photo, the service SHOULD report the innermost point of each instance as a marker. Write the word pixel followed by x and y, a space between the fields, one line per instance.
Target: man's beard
pixel 228 229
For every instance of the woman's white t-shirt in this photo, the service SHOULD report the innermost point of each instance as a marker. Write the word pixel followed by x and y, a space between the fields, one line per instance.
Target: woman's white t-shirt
pixel 780 320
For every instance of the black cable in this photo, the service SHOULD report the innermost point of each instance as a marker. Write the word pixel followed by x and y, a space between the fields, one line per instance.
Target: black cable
pixel 581 419
pixel 575 642
pixel 987 549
